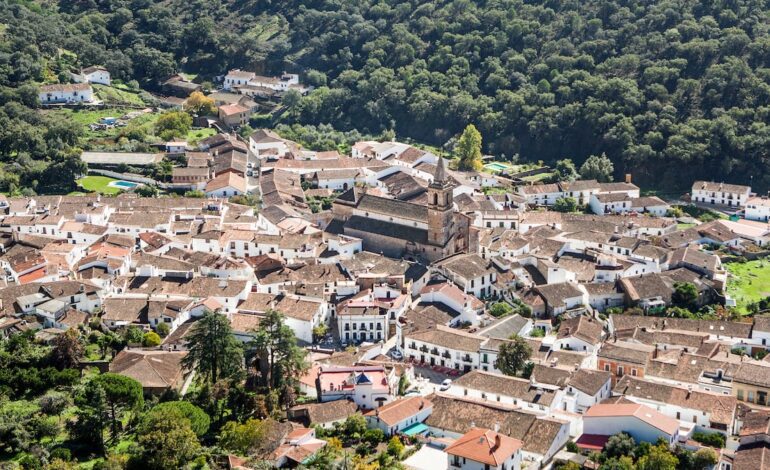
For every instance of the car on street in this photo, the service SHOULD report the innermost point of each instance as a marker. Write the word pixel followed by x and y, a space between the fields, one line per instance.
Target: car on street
pixel 446 384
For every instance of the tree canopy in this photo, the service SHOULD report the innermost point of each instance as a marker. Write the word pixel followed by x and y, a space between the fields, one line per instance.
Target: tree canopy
pixel 597 167
pixel 278 358
pixel 670 91
pixel 198 419
pixel 214 353
pixel 513 355
pixel 469 149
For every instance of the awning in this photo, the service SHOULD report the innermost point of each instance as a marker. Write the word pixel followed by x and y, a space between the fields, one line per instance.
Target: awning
pixel 416 428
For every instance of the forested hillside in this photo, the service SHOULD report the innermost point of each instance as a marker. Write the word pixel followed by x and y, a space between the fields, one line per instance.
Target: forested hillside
pixel 669 90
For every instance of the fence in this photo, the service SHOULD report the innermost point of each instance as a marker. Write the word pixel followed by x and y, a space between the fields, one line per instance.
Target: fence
pixel 134 178
pixel 536 171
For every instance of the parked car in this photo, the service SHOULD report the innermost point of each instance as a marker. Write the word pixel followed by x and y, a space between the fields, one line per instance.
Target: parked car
pixel 396 354
pixel 445 384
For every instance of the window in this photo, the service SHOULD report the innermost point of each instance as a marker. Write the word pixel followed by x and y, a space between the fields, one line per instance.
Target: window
pixel 620 371
pixel 606 367
pixel 740 395
pixel 633 372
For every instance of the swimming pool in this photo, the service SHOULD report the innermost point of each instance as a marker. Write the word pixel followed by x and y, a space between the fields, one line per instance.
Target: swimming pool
pixel 124 184
pixel 496 166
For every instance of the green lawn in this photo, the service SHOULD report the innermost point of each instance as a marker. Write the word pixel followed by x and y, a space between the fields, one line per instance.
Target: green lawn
pixel 749 282
pixel 99 184
pixel 88 116
pixel 196 135
pixel 112 95
pixel 536 178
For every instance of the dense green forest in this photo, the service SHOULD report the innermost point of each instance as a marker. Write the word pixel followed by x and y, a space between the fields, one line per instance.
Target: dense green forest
pixel 669 90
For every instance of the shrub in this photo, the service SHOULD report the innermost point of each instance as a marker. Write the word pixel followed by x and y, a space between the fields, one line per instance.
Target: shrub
pixel 61 453
pixel 163 329
pixel 537 333
pixel 395 447
pixel 199 420
pixel 373 437
pixel 151 339
pixel 364 449
pixel 500 309
pixel 713 439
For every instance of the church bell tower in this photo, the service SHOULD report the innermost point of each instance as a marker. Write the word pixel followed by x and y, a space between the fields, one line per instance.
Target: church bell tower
pixel 440 226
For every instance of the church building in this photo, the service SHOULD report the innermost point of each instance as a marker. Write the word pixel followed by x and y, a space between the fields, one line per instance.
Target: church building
pixel 406 229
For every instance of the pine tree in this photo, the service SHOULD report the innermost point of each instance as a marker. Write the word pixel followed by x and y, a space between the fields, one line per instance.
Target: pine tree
pixel 214 353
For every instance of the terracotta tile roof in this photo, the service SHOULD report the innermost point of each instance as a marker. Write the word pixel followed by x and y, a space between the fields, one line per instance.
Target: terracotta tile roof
pixel 712 327
pixel 506 386
pixel 229 179
pixel 33 276
pixel 454 293
pixel 721 407
pixel 449 338
pixel 151 368
pixel 557 294
pixel 756 422
pixel 589 381
pixel 459 415
pixel 322 413
pixel 582 327
pixel 244 322
pixel 65 87
pixel 400 410
pixel 754 373
pixel 719 187
pixel 469 266
pixel 752 458
pixel 641 412
pixel 627 352
pixel 592 442
pixel 232 109
pixel 257 302
pixel 551 375
pixel 485 446
pixel 125 309
pixel 295 307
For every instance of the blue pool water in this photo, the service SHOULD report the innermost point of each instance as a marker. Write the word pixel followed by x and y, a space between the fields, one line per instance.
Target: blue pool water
pixel 125 184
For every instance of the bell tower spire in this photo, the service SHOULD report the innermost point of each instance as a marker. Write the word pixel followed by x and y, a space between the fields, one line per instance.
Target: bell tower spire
pixel 440 224
pixel 439 177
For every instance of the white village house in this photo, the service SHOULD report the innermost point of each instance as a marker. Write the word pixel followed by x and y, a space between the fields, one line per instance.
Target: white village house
pixel 68 93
